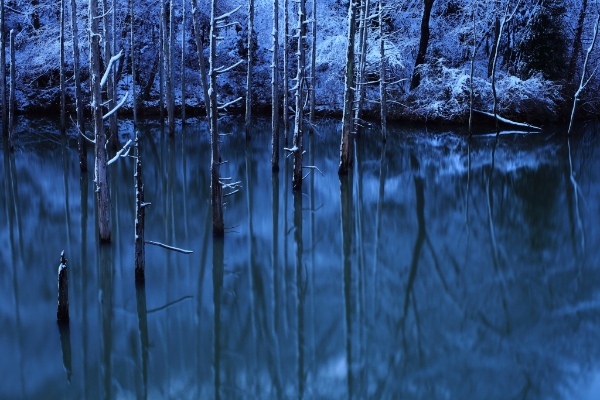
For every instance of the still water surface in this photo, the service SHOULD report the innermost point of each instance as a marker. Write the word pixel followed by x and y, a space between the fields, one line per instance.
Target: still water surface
pixel 441 268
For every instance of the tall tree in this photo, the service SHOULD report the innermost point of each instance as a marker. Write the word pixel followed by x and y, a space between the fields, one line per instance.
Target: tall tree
pixel 183 46
pixel 346 146
pixel 13 87
pixel 275 89
pixel 363 31
pixel 3 93
pixel 286 55
pixel 168 45
pixel 249 68
pixel 201 60
pixel 313 63
pixel 382 72
pixel 108 53
pixel 133 62
pixel 81 143
pixel 216 189
pixel 299 115
pixel 101 172
pixel 423 43
pixel 61 39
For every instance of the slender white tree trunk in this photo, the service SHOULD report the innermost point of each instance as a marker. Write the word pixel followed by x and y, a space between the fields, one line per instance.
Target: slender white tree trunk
pixel 299 116
pixel 313 64
pixel 13 86
pixel 133 62
pixel 81 143
pixel 3 93
pixel 63 111
pixel 286 86
pixel 183 46
pixel 215 154
pixel 248 118
pixel 362 59
pixel 382 74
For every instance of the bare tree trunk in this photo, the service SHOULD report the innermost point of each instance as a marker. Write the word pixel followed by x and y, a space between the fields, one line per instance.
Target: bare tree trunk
pixel 423 43
pixel 286 88
pixel 168 44
pixel 133 63
pixel 201 61
pixel 382 74
pixel 249 69
pixel 101 173
pixel 81 143
pixel 346 146
pixel 13 87
pixel 471 73
pixel 183 46
pixel 161 62
pixel 299 117
pixel 275 89
pixel 583 82
pixel 61 66
pixel 215 159
pixel 108 53
pixel 362 60
pixel 140 212
pixel 62 311
pixel 3 93
pixel 313 64
pixel 494 46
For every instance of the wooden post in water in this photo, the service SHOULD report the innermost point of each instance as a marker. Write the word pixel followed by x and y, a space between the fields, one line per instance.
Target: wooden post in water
pixel 62 312
pixel 140 254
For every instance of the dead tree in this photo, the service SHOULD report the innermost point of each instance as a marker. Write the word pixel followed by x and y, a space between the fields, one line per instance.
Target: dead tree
pixel 168 43
pixel 216 184
pixel 313 64
pixel 62 310
pixel 78 94
pixel 346 146
pixel 110 87
pixel 183 39
pixel 249 62
pixel 297 149
pixel 201 60
pixel 133 63
pixel 275 90
pixel 584 81
pixel 382 73
pixel 140 214
pixel 61 39
pixel 285 88
pixel 363 32
pixel 13 87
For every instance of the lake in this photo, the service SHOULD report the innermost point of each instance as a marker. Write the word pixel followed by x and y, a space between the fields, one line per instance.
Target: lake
pixel 442 267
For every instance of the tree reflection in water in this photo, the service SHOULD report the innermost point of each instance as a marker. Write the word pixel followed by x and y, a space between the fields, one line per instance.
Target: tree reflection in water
pixel 459 267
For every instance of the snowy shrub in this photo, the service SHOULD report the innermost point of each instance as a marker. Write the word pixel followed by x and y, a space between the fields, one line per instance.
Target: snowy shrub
pixel 536 97
pixel 444 93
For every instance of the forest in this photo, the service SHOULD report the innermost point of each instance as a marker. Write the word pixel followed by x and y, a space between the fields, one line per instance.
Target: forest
pixel 434 60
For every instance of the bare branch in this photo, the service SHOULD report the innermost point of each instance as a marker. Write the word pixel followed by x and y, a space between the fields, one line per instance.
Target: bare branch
pixel 114 59
pixel 164 246
pixel 114 110
pixel 120 153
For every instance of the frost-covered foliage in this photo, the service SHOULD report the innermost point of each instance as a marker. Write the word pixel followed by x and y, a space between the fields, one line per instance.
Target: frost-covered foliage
pixel 529 84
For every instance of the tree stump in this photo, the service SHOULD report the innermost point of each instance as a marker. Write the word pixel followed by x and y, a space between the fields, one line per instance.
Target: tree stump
pixel 62 312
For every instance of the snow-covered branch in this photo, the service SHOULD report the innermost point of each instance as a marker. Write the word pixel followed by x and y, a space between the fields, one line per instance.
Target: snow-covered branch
pixel 114 110
pixel 164 246
pixel 124 152
pixel 228 14
pixel 113 60
pixel 221 70
pixel 223 106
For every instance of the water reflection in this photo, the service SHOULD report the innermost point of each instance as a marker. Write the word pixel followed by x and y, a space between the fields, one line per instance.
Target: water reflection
pixel 441 266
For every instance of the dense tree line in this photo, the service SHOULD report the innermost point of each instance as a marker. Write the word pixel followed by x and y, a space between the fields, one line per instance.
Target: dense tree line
pixel 427 46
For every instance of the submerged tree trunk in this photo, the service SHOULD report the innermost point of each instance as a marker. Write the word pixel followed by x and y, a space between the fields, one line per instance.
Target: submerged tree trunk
pixel 215 155
pixel 382 74
pixel 299 117
pixel 346 148
pixel 249 69
pixel 101 173
pixel 3 93
pixel 423 43
pixel 275 90
pixel 140 213
pixel 201 61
